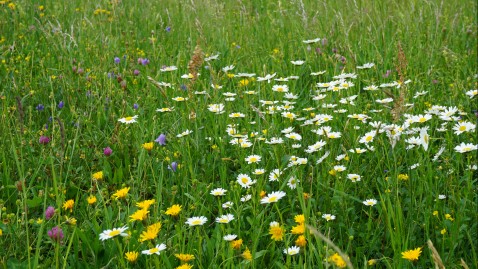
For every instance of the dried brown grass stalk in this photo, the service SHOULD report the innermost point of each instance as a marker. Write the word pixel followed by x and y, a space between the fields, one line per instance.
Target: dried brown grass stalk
pixel 401 67
pixel 197 59
pixel 435 256
pixel 463 264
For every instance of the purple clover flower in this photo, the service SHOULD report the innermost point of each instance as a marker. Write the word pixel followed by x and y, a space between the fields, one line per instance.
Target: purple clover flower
pixel 49 212
pixel 107 151
pixel 56 234
pixel 44 140
pixel 136 72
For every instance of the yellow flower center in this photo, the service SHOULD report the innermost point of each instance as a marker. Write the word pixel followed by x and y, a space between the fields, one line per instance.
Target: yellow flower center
pixel 128 118
pixel 114 233
pixel 273 199
pixel 153 250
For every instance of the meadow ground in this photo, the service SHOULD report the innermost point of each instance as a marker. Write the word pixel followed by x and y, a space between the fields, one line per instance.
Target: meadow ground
pixel 238 134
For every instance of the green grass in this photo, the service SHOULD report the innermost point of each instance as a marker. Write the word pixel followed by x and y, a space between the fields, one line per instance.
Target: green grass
pixel 64 51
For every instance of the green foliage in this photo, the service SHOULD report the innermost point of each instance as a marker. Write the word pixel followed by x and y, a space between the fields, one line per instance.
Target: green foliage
pixel 59 79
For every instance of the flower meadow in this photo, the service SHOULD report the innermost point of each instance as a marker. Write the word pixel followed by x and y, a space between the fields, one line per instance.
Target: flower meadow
pixel 238 134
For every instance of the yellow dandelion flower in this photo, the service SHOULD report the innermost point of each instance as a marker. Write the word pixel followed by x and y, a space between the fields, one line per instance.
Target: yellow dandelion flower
pixel 1 232
pixel 184 257
pixel 70 221
pixel 243 82
pixel 299 229
pixel 151 232
pixel 185 266
pixel 306 195
pixel 139 215
pixel 276 231
pixel 148 146
pixel 69 205
pixel 301 241
pixel 247 254
pixel 435 213
pixel 337 260
pixel 299 218
pixel 443 232
pixel 173 210
pixel 412 255
pixel 131 256
pixel 263 194
pixel 236 244
pixel 403 177
pixel 121 193
pixel 448 217
pixel 91 199
pixel 145 204
pixel 98 175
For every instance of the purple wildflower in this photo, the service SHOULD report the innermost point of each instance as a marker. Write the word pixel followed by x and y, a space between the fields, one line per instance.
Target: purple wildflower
pixel 61 105
pixel 136 72
pixel 49 212
pixel 56 234
pixel 107 151
pixel 168 29
pixel 44 140
pixel 161 139
pixel 145 61
pixel 173 166
pixel 135 106
pixel 40 107
pixel 117 60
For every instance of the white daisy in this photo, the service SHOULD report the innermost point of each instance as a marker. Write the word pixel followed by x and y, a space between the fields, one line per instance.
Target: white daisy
pixel 156 250
pixel 194 221
pixel 273 197
pixel 225 218
pixel 128 120
pixel 107 234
